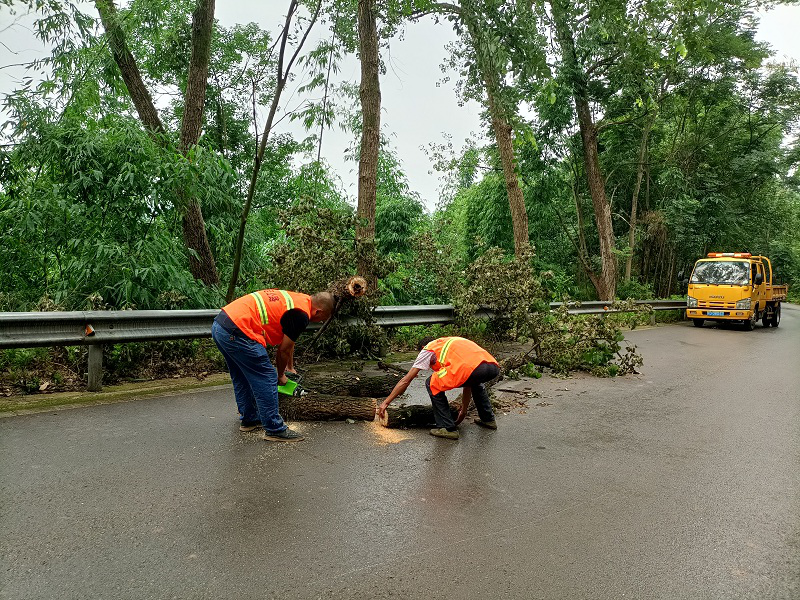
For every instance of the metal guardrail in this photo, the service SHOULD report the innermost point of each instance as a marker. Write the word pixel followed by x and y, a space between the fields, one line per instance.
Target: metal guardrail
pixel 96 328
pixel 31 329
pixel 598 307
pixel 88 328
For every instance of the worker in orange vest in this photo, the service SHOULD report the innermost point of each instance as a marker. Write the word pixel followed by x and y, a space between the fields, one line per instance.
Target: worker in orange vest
pixel 456 362
pixel 242 331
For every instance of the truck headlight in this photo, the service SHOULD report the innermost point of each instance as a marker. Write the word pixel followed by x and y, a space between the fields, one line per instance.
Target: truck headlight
pixel 743 304
pixel 691 302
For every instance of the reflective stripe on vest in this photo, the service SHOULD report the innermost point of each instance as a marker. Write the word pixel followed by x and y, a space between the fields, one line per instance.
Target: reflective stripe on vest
pixel 288 298
pixel 443 371
pixel 262 309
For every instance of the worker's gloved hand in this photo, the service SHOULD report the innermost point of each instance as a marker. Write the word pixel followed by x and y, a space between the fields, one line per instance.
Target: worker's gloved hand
pixel 381 410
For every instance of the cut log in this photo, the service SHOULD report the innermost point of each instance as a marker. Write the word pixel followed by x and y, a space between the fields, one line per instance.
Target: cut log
pixel 411 415
pixel 326 407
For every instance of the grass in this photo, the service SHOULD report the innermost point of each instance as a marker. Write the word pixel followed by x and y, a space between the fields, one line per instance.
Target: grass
pixel 18 405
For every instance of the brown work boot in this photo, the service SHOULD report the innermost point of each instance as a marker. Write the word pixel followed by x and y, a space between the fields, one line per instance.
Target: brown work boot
pixel 488 424
pixel 249 425
pixel 443 433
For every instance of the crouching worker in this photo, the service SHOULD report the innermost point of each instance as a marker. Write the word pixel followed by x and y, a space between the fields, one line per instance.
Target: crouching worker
pixel 456 362
pixel 242 331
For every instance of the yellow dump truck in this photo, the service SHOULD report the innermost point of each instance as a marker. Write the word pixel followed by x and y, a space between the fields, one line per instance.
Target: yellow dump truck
pixel 734 286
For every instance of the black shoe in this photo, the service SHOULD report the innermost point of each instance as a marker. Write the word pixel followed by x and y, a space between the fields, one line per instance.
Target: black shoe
pixel 249 425
pixel 287 435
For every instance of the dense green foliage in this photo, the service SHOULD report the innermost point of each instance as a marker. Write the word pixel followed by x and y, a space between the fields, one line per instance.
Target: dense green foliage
pixel 91 218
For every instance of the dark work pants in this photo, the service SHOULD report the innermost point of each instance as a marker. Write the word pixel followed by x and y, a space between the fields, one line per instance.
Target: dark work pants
pixel 441 408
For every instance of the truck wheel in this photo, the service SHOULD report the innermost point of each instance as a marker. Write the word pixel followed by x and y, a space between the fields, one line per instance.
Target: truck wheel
pixel 750 324
pixel 697 322
pixel 776 316
pixel 766 320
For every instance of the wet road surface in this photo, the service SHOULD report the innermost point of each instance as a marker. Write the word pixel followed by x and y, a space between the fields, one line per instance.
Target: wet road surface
pixel 681 482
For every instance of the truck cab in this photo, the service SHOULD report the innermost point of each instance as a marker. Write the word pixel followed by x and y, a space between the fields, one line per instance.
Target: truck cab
pixel 734 286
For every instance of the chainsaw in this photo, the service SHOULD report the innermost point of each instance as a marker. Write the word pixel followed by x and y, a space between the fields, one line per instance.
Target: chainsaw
pixel 292 387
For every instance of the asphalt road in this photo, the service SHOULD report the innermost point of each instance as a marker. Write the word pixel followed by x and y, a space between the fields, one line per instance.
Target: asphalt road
pixel 681 482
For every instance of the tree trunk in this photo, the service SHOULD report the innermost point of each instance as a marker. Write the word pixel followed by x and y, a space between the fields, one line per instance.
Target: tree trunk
pixel 201 259
pixel 503 133
pixel 516 201
pixel 412 415
pixel 370 93
pixel 579 213
pixel 362 384
pixel 670 273
pixel 635 200
pixel 323 407
pixel 583 253
pixel 195 95
pixel 128 68
pixel 607 280
pixel 602 209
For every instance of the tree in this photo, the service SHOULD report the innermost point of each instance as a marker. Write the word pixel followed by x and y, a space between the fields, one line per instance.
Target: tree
pixel 201 259
pixel 370 94
pixel 284 70
pixel 492 33
pixel 605 282
pixel 491 60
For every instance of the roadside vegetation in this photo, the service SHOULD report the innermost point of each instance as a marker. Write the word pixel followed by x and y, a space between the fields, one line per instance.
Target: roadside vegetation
pixel 622 141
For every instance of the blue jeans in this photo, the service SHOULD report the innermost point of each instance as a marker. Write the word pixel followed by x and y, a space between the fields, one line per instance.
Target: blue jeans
pixel 255 380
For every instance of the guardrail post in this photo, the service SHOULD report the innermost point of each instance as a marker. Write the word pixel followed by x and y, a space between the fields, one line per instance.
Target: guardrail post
pixel 95 383
pixel 653 318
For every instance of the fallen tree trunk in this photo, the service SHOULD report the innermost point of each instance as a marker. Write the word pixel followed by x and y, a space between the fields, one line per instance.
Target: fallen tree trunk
pixel 326 407
pixel 411 415
pixel 348 384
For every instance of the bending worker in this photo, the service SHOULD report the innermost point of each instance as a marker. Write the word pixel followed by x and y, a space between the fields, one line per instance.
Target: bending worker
pixel 242 331
pixel 456 362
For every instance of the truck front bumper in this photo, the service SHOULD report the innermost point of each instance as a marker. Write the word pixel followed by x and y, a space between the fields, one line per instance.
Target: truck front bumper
pixel 727 314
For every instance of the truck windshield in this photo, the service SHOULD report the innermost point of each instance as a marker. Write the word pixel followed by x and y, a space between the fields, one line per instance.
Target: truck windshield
pixel 722 272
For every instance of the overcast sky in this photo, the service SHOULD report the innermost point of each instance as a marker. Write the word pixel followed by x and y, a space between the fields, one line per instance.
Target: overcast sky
pixel 417 107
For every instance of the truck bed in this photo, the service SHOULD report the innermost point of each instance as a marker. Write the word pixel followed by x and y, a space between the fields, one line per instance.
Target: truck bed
pixel 777 292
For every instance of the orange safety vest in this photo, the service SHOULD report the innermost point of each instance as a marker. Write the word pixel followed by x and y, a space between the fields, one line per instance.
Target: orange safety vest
pixel 258 315
pixel 456 359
